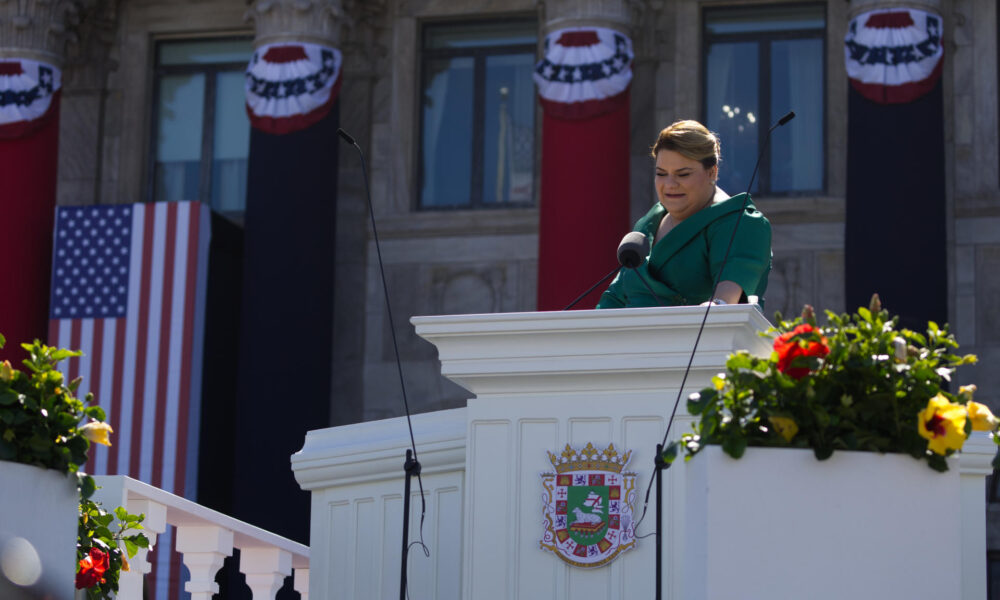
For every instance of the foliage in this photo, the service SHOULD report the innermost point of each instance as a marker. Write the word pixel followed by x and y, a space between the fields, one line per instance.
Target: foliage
pixel 43 424
pixel 40 418
pixel 856 383
pixel 105 542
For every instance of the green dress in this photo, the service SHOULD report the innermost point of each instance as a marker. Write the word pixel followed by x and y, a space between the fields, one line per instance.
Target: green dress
pixel 681 267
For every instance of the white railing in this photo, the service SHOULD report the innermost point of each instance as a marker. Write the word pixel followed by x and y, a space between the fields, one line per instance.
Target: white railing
pixel 204 538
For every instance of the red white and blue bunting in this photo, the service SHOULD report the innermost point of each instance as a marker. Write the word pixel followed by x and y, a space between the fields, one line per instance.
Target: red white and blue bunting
pixel 894 55
pixel 28 93
pixel 291 86
pixel 585 72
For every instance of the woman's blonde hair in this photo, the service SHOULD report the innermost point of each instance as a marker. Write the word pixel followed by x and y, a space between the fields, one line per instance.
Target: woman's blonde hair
pixel 691 140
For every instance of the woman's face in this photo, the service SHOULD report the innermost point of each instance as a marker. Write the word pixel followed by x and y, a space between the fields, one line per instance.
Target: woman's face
pixel 683 186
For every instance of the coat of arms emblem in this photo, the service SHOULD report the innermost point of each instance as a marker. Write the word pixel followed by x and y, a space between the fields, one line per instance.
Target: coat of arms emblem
pixel 589 501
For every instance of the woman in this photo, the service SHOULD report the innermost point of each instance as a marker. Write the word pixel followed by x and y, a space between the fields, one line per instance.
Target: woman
pixel 689 230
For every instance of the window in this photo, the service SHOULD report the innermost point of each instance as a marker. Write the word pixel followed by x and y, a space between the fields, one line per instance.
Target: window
pixel 477 115
pixel 760 63
pixel 201 135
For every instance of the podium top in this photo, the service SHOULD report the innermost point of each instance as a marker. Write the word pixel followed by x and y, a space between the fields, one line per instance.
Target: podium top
pixel 588 350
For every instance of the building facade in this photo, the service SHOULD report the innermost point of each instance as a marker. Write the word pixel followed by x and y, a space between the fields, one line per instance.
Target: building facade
pixel 440 96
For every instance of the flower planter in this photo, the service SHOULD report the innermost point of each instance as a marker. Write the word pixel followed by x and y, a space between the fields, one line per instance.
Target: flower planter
pixel 40 506
pixel 779 524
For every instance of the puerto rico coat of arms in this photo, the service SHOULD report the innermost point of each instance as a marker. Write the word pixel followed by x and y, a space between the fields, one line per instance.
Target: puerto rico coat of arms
pixel 589 501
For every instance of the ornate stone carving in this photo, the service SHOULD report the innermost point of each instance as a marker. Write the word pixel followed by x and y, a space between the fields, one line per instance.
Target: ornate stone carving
pixel 91 53
pixel 39 29
pixel 316 21
pixel 616 14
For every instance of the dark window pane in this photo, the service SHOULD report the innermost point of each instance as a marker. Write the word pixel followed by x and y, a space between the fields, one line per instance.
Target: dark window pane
pixel 508 143
pixel 447 132
pixel 797 84
pixel 205 52
pixel 178 140
pixel 231 143
pixel 732 110
pixel 481 35
pixel 765 19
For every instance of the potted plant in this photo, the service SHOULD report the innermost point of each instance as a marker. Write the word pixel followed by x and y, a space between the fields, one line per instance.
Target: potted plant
pixel 856 383
pixel 865 398
pixel 45 433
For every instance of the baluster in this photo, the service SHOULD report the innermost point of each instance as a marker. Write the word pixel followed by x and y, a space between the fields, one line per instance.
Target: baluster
pixel 204 548
pixel 265 569
pixel 301 583
pixel 154 523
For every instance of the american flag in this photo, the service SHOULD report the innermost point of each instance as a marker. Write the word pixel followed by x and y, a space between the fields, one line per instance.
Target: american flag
pixel 128 289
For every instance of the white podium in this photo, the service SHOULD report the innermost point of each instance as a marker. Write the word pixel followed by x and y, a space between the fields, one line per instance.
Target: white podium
pixel 541 381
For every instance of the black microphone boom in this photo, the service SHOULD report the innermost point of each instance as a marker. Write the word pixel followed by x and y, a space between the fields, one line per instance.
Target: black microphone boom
pixel 660 462
pixel 412 466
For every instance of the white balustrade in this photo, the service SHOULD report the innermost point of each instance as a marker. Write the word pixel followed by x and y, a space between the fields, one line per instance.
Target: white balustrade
pixel 204 538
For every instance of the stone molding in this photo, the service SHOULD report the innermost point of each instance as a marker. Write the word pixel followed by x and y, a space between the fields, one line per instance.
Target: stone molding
pixel 39 29
pixel 614 14
pixel 860 6
pixel 316 21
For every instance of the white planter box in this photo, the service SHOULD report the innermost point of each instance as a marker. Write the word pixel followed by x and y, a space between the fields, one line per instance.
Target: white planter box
pixel 778 524
pixel 40 506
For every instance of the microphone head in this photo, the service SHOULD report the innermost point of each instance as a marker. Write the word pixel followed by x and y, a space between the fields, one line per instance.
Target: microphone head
pixel 346 136
pixel 786 118
pixel 633 249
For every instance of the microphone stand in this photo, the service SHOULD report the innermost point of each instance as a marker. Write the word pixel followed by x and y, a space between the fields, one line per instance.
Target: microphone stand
pixel 660 462
pixel 412 466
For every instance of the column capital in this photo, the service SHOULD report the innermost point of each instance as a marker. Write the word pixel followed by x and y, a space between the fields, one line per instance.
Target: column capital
pixel 39 29
pixel 860 6
pixel 316 21
pixel 614 14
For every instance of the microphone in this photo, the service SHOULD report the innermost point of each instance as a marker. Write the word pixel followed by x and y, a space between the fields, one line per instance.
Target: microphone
pixel 346 136
pixel 412 465
pixel 633 249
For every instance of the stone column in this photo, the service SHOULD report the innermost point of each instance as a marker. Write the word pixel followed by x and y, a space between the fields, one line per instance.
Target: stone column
pixel 294 80
pixel 33 36
pixel 585 146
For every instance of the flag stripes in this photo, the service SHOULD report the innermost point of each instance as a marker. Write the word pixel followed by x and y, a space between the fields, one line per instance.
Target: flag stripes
pixel 139 355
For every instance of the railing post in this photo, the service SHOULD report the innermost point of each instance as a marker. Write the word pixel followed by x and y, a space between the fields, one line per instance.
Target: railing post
pixel 265 569
pixel 204 549
pixel 154 523
pixel 301 583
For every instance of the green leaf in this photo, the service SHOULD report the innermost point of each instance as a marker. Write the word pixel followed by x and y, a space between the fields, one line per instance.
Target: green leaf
pixel 670 454
pixel 130 547
pixel 3 340
pixel 87 486
pixel 140 540
pixel 8 398
pixel 734 445
pixel 95 412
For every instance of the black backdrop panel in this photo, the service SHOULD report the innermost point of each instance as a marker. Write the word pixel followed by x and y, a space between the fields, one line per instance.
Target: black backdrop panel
pixel 286 339
pixel 895 230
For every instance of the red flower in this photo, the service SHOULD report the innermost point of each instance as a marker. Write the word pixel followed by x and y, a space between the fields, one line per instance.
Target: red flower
pixel 800 342
pixel 92 568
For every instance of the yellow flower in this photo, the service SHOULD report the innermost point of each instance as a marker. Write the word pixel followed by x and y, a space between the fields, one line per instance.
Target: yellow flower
pixel 6 371
pixel 943 424
pixel 967 390
pixel 981 416
pixel 96 432
pixel 786 426
pixel 125 566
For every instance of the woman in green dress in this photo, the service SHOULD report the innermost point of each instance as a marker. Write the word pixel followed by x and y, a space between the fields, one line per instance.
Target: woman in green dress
pixel 689 230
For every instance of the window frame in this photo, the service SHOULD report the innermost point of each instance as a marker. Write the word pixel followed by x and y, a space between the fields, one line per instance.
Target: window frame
pixel 764 40
pixel 478 55
pixel 210 70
